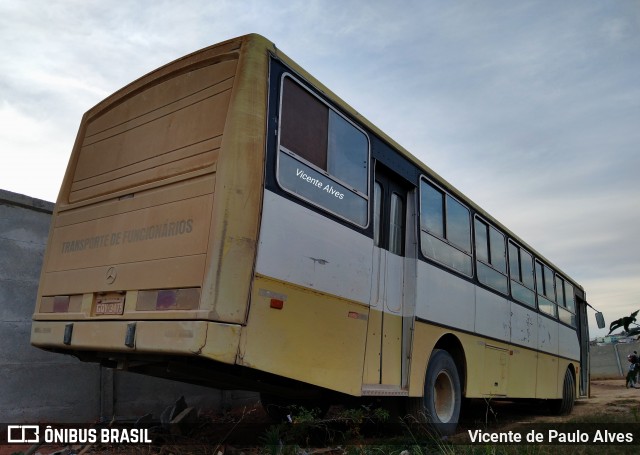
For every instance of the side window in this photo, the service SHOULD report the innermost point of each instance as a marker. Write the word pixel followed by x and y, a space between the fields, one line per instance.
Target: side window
pixel 546 289
pixel 521 273
pixel 323 158
pixel 569 297
pixel 565 301
pixel 491 256
pixel 445 229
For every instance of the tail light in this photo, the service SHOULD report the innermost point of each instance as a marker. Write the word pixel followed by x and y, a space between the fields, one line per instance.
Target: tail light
pixel 168 299
pixel 61 304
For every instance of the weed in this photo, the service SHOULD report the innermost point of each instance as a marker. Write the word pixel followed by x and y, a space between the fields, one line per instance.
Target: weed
pixel 305 427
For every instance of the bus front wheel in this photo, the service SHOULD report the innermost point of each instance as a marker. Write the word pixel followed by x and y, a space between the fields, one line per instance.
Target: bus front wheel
pixel 440 406
pixel 564 405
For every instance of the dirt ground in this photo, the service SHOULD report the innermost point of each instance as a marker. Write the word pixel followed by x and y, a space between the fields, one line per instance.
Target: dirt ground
pixel 610 401
pixel 608 397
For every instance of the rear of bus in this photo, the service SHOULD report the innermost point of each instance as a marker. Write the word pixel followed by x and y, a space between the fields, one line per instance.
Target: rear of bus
pixel 152 243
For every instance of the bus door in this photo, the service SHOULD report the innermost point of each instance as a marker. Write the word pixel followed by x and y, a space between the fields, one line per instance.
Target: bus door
pixel 583 337
pixel 383 357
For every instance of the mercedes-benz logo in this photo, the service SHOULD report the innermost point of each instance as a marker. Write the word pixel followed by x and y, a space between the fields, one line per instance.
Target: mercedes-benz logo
pixel 112 273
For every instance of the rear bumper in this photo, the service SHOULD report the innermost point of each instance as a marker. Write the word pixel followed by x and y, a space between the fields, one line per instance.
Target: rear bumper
pixel 212 340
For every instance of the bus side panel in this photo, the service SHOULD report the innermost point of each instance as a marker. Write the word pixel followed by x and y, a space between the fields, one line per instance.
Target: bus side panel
pixel 444 298
pixel 310 337
pixel 568 344
pixel 300 246
pixel 487 363
pixel 532 364
pixel 321 272
pixel 493 315
pixel 425 338
pixel 547 375
pixel 524 363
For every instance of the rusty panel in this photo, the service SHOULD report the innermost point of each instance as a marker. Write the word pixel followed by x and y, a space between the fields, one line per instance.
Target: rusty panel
pixel 135 166
pixel 152 168
pixel 166 134
pixel 164 94
pixel 185 271
pixel 168 129
pixel 167 230
pixel 177 191
pixel 239 189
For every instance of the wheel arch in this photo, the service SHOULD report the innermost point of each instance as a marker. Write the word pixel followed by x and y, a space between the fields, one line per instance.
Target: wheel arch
pixel 572 369
pixel 452 344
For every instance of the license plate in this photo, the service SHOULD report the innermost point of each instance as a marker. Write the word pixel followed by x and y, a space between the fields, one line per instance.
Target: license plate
pixel 109 304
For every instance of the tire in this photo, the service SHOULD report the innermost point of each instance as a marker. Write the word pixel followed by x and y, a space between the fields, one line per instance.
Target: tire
pixel 440 405
pixel 564 405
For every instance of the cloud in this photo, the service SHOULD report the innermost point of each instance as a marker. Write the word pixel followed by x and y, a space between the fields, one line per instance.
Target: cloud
pixel 33 153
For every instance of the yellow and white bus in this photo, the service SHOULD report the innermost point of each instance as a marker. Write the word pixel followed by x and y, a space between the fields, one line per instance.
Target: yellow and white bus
pixel 227 220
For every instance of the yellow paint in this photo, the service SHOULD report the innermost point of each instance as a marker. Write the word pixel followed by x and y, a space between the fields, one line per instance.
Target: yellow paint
pixel 547 377
pixel 373 354
pixel 383 354
pixel 522 375
pixel 424 339
pixel 527 373
pixel 312 338
pixel 391 349
pixel 496 371
pixel 222 342
pixel 214 341
pixel 239 187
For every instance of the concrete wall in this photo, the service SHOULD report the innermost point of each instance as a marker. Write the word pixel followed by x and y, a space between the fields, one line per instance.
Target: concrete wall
pixel 38 386
pixel 610 361
pixel 35 384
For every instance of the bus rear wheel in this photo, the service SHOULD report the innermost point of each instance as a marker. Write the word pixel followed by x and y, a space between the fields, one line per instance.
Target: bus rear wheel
pixel 564 405
pixel 440 406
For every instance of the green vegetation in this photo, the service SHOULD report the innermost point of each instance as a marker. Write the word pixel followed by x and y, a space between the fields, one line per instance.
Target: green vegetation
pixel 350 433
pixel 373 431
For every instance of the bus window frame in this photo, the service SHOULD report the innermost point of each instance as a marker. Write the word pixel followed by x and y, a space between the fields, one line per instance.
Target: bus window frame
pixel 542 293
pixel 281 148
pixel 470 254
pixel 520 248
pixel 505 244
pixel 561 301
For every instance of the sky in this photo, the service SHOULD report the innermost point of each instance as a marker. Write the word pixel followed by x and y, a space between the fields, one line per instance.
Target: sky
pixel 530 108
